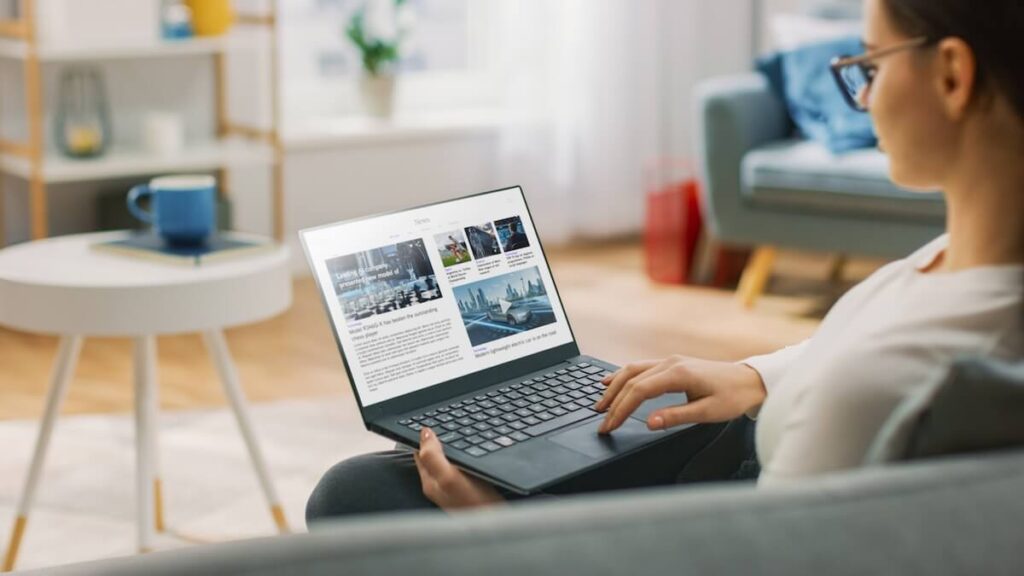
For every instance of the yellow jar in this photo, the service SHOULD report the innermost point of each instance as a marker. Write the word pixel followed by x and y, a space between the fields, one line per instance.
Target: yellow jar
pixel 211 17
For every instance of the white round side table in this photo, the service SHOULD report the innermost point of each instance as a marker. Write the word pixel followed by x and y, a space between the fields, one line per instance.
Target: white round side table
pixel 65 287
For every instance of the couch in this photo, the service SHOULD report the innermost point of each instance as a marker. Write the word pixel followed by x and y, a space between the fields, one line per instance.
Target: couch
pixel 951 505
pixel 766 187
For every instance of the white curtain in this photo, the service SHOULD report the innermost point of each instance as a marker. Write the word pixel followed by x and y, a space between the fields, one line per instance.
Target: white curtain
pixel 601 88
pixel 584 84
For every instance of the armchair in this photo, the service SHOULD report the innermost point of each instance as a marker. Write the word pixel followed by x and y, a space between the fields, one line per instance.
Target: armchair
pixel 767 188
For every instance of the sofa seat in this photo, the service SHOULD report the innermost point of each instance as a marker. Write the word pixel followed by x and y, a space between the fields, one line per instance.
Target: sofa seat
pixel 942 517
pixel 803 175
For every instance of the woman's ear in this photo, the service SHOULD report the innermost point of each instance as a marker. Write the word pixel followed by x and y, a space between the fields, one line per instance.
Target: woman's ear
pixel 957 76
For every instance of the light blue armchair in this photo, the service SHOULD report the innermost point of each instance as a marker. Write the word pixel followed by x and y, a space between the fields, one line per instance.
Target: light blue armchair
pixel 765 187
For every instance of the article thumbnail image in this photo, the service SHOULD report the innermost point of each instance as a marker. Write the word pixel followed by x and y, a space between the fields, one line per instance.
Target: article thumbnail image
pixel 383 279
pixel 504 306
pixel 453 248
pixel 511 234
pixel 483 241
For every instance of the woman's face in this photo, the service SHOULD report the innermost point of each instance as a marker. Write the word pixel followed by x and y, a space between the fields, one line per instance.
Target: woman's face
pixel 904 101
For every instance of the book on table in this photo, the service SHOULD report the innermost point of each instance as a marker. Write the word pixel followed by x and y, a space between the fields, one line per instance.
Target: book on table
pixel 150 246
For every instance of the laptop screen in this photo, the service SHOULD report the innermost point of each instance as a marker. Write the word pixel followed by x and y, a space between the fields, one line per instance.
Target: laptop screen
pixel 426 295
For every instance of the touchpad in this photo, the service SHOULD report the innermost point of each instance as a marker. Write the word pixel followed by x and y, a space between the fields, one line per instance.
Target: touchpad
pixel 585 439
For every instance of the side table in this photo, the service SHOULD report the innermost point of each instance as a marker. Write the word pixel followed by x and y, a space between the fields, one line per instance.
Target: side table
pixel 64 287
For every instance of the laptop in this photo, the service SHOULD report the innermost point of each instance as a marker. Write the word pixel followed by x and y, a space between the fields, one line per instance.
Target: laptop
pixel 447 316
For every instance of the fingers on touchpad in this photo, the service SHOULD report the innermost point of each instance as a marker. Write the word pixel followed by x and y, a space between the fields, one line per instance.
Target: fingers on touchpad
pixel 663 401
pixel 585 439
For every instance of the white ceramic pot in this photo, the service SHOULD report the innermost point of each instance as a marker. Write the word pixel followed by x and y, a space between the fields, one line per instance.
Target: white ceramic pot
pixel 378 93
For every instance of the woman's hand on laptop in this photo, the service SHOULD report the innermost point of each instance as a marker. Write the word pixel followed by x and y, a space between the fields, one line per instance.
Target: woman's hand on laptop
pixel 446 485
pixel 716 391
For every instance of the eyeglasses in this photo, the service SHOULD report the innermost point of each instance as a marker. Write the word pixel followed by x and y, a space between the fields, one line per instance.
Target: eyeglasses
pixel 854 74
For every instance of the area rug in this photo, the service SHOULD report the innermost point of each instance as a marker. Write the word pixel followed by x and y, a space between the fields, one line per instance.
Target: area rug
pixel 85 504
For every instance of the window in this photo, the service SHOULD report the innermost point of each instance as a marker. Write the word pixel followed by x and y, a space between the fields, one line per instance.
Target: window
pixel 445 62
pixel 315 36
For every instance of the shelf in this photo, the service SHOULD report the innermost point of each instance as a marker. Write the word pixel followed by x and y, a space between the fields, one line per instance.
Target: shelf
pixel 57 44
pixel 121 163
pixel 18 50
pixel 326 132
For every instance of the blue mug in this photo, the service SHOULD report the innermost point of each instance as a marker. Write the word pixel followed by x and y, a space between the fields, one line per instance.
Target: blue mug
pixel 183 208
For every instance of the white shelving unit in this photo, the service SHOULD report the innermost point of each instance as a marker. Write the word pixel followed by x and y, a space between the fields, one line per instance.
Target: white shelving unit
pixel 117 163
pixel 234 143
pixel 18 50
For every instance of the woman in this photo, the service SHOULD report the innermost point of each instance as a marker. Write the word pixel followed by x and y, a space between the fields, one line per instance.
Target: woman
pixel 944 84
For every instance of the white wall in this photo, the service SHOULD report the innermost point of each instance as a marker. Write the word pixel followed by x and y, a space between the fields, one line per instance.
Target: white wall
pixel 702 40
pixel 768 9
pixel 773 7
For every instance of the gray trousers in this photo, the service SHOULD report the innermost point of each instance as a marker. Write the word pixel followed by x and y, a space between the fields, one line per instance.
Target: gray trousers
pixel 388 481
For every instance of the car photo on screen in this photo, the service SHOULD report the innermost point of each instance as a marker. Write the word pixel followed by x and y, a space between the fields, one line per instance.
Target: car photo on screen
pixel 504 306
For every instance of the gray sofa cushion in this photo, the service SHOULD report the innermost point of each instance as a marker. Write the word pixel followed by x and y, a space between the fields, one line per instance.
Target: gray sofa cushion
pixel 802 174
pixel 932 518
pixel 978 406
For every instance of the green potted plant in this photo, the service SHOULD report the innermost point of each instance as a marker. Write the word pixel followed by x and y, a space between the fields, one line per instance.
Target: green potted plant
pixel 378 30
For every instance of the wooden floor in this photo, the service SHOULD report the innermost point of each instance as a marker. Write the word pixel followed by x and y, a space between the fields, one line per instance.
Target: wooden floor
pixel 615 312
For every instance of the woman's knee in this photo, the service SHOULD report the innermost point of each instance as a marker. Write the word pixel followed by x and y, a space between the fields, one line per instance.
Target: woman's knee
pixel 368 483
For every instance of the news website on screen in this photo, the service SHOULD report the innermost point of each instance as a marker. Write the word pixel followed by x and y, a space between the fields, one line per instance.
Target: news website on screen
pixel 427 295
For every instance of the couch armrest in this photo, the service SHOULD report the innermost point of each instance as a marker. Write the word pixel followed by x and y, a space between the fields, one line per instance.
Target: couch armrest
pixel 734 115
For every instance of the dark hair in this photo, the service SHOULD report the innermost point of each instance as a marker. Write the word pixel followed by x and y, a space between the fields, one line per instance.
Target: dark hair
pixel 992 28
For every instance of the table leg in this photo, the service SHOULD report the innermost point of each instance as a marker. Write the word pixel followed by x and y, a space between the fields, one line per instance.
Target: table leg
pixel 756 275
pixel 3 218
pixel 63 369
pixel 153 416
pixel 148 507
pixel 229 378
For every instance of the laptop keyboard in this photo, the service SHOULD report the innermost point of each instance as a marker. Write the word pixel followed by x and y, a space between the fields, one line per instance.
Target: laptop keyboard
pixel 488 422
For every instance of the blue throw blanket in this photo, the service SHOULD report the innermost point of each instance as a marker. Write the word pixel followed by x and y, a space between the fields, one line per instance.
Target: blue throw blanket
pixel 804 80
